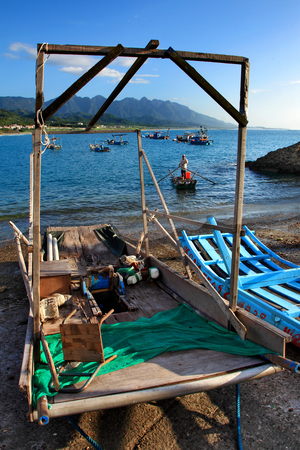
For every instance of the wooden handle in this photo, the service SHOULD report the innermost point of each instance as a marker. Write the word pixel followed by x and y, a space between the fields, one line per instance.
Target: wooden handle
pixel 106 316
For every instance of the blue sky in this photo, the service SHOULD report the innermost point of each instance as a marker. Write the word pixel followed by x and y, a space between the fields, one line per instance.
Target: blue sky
pixel 266 32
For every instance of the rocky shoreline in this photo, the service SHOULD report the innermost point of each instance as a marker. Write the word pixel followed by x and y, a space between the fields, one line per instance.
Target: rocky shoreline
pixel 283 160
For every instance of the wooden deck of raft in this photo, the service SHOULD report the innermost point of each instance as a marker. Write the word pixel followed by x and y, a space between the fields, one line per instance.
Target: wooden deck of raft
pixel 166 369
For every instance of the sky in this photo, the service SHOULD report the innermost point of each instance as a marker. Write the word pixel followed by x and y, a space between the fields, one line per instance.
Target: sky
pixel 266 32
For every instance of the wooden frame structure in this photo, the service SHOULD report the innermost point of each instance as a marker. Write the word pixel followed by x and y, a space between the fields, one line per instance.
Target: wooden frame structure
pixel 180 58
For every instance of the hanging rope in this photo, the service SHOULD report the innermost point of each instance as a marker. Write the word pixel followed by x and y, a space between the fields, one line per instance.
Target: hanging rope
pixel 90 440
pixel 45 44
pixel 39 114
pixel 238 418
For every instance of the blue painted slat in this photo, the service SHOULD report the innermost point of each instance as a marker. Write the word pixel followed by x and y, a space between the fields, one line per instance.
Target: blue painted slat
pixel 276 288
pixel 273 298
pixel 212 253
pixel 224 250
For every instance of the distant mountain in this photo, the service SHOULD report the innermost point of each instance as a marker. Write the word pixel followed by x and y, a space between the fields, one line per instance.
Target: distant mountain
pixel 144 111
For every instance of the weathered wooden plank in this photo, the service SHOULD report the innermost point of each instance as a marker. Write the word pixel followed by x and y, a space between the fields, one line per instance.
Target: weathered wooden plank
pixel 166 369
pixel 137 52
pixel 207 87
pixel 53 268
pixel 124 81
pixel 81 82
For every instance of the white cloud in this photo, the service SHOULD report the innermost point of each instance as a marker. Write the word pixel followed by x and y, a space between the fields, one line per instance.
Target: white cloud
pixel 139 81
pixel 77 64
pixel 73 70
pixel 124 62
pixel 148 75
pixel 20 50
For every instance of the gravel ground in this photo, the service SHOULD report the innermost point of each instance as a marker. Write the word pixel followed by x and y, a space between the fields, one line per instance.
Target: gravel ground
pixel 270 407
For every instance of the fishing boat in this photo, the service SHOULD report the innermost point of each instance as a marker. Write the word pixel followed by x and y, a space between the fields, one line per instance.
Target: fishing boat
pixel 54 143
pixel 109 324
pixel 186 137
pixel 201 138
pixel 98 146
pixel 268 285
pixel 117 139
pixel 184 183
pixel 159 135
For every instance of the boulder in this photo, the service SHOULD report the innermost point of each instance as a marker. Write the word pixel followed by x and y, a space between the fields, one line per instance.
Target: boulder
pixel 283 160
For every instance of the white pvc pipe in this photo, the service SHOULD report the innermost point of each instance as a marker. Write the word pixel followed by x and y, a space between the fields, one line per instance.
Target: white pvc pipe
pixel 49 248
pixel 55 249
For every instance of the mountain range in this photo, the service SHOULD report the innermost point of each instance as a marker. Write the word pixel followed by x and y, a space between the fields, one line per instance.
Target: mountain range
pixel 143 111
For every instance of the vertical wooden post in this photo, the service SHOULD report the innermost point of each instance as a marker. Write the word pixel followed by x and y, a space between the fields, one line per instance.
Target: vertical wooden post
pixel 167 212
pixel 37 153
pixel 239 188
pixel 145 223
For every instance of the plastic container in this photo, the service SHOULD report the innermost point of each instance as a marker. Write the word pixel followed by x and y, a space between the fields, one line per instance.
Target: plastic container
pixel 153 272
pixel 188 175
pixel 126 271
pixel 134 278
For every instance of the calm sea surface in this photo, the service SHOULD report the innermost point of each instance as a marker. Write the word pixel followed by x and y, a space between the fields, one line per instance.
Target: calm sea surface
pixel 84 187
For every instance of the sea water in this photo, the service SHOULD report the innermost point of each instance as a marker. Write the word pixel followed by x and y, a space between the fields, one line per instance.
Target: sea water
pixel 80 187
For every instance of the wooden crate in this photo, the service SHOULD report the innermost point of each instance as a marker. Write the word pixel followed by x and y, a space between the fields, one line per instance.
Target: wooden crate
pixel 55 277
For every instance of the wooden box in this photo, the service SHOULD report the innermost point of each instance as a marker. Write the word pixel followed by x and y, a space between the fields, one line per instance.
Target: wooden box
pixel 55 277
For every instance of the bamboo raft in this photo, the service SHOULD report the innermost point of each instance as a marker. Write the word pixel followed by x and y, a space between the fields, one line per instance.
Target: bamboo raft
pixel 69 273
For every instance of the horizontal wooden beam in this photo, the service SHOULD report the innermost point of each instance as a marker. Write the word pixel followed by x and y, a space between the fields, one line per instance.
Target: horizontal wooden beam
pixel 137 52
pixel 81 82
pixel 124 81
pixel 207 87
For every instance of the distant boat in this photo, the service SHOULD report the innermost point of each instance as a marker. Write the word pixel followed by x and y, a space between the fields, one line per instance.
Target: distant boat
pixel 201 138
pixel 99 147
pixel 186 137
pixel 117 139
pixel 55 143
pixel 158 135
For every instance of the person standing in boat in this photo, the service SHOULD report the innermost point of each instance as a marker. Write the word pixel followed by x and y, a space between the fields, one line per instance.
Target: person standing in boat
pixel 183 164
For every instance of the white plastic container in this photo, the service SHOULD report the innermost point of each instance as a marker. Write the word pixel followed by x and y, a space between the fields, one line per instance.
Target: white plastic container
pixel 153 272
pixel 134 278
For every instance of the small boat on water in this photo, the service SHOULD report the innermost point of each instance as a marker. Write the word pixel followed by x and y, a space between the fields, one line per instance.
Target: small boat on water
pixel 99 147
pixel 55 143
pixel 159 135
pixel 117 139
pixel 269 286
pixel 186 137
pixel 201 138
pixel 184 183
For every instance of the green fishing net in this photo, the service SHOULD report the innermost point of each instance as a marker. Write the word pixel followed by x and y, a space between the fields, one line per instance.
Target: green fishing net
pixel 135 342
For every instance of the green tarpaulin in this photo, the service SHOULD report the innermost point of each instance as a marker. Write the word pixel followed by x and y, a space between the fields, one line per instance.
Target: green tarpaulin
pixel 135 342
pixel 115 244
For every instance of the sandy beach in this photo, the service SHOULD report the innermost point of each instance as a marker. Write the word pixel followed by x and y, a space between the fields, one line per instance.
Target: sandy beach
pixel 269 407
